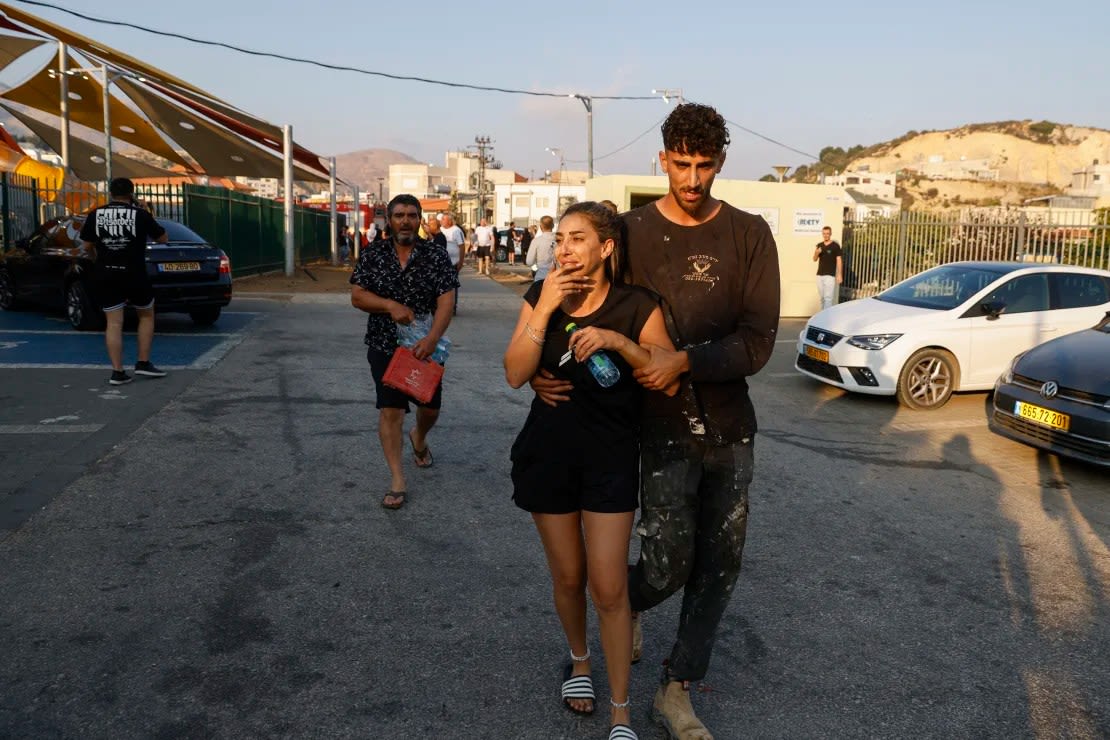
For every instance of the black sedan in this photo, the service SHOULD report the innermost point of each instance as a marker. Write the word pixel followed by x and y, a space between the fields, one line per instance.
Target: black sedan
pixel 1056 396
pixel 51 269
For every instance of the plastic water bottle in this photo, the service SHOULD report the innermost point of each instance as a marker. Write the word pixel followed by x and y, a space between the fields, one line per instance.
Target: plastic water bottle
pixel 443 349
pixel 601 366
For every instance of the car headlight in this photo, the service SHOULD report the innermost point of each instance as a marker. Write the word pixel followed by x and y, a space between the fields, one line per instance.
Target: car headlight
pixel 1008 375
pixel 872 341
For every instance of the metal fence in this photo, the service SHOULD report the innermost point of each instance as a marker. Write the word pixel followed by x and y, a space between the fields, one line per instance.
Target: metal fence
pixel 249 228
pixel 879 252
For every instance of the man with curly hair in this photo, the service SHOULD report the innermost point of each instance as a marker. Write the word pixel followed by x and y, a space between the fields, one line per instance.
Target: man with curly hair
pixel 715 269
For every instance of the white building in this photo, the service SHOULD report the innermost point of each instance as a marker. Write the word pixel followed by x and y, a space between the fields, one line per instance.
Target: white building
pixel 937 168
pixel 862 205
pixel 461 171
pixel 525 203
pixel 879 184
pixel 263 187
pixel 1093 180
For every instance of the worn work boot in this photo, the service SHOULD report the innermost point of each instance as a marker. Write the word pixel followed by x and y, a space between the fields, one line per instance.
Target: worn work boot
pixel 637 638
pixel 672 710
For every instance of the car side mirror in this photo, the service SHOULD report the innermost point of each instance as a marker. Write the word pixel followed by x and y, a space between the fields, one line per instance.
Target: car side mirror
pixel 992 309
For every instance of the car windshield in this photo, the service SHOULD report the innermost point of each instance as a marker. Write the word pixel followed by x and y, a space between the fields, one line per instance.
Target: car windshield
pixel 941 288
pixel 180 232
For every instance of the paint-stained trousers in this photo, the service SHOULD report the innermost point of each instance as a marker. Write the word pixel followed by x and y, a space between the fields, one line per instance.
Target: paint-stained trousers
pixel 693 520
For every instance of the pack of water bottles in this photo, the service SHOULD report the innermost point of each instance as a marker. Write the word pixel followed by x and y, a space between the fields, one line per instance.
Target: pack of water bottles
pixel 410 334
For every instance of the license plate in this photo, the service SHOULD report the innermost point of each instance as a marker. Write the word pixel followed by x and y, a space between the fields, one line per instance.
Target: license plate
pixel 1044 416
pixel 821 355
pixel 178 266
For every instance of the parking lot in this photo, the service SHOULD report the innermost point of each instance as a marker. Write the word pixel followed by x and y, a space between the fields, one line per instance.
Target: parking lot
pixel 223 568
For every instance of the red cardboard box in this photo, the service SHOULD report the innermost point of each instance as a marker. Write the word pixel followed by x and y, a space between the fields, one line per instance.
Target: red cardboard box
pixel 416 378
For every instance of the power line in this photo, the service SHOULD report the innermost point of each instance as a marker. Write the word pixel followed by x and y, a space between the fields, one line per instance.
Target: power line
pixel 621 149
pixel 406 78
pixel 335 67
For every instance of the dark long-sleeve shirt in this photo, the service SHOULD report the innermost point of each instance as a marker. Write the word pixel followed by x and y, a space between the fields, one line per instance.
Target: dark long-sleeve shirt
pixel 720 282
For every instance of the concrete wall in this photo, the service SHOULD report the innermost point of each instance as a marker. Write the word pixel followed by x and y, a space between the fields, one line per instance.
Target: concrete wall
pixel 795 213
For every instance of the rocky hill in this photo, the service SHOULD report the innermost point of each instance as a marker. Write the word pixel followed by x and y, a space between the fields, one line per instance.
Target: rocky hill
pixel 1042 153
pixel 364 167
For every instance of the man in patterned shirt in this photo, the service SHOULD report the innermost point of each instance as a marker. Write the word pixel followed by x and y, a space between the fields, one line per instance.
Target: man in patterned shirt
pixel 395 281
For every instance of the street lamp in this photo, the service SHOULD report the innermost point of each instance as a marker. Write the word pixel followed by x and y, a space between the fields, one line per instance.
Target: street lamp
pixel 781 169
pixel 669 92
pixel 557 152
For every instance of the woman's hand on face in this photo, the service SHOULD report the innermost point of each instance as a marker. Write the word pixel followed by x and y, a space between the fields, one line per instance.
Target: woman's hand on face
pixel 586 341
pixel 561 283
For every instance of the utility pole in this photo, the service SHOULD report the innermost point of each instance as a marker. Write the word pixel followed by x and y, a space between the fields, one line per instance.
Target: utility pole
pixel 482 144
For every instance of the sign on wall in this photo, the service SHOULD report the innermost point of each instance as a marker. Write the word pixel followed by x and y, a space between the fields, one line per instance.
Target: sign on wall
pixel 770 215
pixel 808 221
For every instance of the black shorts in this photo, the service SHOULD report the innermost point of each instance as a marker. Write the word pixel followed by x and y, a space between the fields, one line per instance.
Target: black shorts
pixel 391 398
pixel 483 253
pixel 555 487
pixel 115 289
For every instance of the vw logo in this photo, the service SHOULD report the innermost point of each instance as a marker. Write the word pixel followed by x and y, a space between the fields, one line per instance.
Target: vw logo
pixel 821 336
pixel 1050 389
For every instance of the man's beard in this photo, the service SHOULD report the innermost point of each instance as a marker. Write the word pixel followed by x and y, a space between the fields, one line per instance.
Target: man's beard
pixel 691 208
pixel 403 239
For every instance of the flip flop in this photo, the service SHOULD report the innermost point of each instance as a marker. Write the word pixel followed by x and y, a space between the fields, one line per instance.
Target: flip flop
pixel 399 495
pixel 422 458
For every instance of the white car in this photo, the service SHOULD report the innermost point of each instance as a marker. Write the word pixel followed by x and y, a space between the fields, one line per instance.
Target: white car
pixel 952 328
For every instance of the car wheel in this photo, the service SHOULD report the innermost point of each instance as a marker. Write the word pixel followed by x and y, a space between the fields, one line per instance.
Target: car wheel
pixel 928 379
pixel 205 316
pixel 82 314
pixel 8 300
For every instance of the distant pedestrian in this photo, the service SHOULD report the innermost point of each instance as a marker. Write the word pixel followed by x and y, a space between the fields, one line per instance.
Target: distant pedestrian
pixel 396 281
pixel 830 268
pixel 516 244
pixel 455 238
pixel 541 252
pixel 118 233
pixel 610 205
pixel 483 243
pixel 435 232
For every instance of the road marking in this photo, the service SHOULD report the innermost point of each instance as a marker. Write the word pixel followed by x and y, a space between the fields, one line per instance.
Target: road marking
pixel 786 341
pixel 794 374
pixel 50 428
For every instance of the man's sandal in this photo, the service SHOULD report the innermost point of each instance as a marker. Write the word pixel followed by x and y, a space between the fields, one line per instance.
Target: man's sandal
pixel 578 687
pixel 422 458
pixel 622 732
pixel 400 500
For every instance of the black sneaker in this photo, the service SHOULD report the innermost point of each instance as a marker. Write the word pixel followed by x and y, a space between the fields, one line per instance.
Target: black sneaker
pixel 119 377
pixel 147 368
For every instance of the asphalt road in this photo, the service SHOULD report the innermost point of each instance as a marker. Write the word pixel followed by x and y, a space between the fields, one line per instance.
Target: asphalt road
pixel 213 562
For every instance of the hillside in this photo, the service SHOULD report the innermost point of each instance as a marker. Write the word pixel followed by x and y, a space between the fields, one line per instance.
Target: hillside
pixel 364 167
pixel 1019 151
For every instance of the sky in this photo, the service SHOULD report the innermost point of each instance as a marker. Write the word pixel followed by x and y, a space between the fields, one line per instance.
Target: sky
pixel 805 73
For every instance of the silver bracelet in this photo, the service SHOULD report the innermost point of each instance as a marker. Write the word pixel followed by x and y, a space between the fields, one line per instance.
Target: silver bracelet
pixel 534 335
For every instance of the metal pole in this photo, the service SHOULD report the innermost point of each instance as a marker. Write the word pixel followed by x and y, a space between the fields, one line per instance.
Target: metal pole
pixel 589 103
pixel 290 245
pixel 356 221
pixel 107 126
pixel 63 86
pixel 334 221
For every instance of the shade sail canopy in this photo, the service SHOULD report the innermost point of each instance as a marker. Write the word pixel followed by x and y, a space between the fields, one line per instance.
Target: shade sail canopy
pixel 86 106
pixel 85 158
pixel 244 124
pixel 216 150
pixel 93 48
pixel 13 47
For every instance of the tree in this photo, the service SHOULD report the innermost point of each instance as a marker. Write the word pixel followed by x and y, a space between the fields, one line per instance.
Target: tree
pixel 769 178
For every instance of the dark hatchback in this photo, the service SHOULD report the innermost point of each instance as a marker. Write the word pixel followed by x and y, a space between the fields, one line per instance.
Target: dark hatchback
pixel 1056 396
pixel 52 269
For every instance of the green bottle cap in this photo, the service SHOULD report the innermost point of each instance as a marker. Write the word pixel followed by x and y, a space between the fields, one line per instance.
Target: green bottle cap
pixel 571 327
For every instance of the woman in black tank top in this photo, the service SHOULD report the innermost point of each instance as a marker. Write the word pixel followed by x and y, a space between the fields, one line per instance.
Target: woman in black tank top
pixel 575 464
